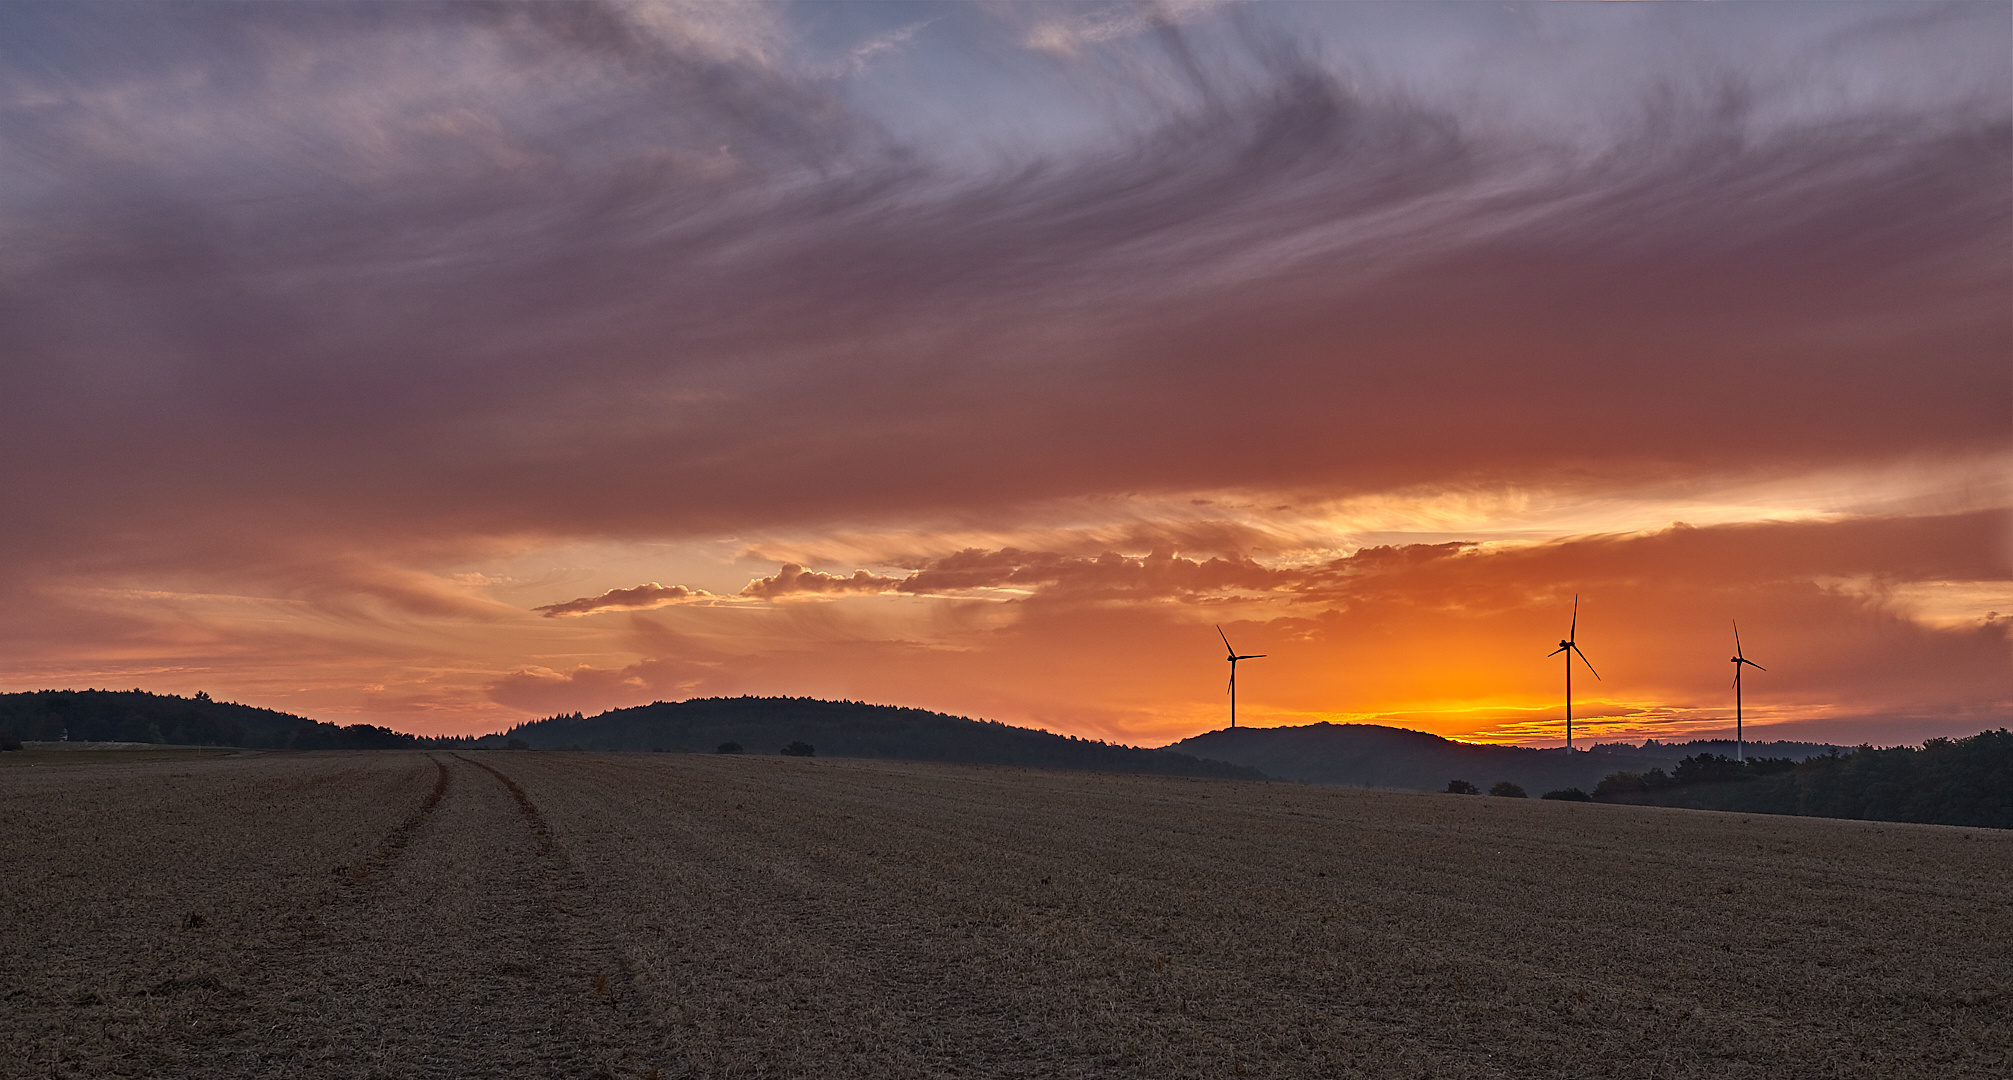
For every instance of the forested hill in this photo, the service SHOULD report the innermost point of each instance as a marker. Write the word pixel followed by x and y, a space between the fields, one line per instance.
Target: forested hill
pixel 846 729
pixel 1945 782
pixel 1371 755
pixel 138 716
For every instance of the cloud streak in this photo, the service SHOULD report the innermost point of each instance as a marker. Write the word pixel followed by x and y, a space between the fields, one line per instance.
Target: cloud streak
pixel 641 598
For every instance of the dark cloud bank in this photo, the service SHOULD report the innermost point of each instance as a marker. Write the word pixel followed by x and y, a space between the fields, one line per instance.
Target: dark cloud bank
pixel 505 290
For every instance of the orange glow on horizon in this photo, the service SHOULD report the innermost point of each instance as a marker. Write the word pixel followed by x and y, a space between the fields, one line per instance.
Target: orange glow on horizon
pixel 1444 639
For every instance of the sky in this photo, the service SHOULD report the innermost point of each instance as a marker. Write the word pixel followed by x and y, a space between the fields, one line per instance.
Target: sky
pixel 448 366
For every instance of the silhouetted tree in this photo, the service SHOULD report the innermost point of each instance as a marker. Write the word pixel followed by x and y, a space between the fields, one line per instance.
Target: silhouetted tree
pixel 1945 782
pixel 1571 794
pixel 1462 787
pixel 9 741
pixel 517 744
pixel 1618 783
pixel 728 747
pixel 1508 790
pixel 1708 769
pixel 799 748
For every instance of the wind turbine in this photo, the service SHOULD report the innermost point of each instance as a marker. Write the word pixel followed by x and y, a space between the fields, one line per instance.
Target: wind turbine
pixel 1569 646
pixel 1739 744
pixel 1234 658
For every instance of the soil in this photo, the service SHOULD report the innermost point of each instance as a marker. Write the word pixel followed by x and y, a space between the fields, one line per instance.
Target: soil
pixel 393 914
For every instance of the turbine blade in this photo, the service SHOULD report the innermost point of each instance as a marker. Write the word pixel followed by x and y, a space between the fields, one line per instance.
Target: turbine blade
pixel 1736 639
pixel 1556 651
pixel 1754 665
pixel 1574 633
pixel 1226 641
pixel 1589 663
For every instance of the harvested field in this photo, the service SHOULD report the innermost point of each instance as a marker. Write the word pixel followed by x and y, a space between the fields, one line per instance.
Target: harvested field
pixel 389 914
pixel 40 753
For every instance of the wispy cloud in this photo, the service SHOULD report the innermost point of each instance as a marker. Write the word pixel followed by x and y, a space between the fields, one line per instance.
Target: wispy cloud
pixel 1086 25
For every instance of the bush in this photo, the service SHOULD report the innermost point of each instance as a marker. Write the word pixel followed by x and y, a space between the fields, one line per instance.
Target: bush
pixel 799 749
pixel 9 741
pixel 517 744
pixel 1508 790
pixel 728 747
pixel 1571 794
pixel 1462 787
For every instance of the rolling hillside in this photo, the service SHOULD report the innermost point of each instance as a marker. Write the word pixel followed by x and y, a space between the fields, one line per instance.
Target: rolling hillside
pixel 847 729
pixel 138 716
pixel 1368 755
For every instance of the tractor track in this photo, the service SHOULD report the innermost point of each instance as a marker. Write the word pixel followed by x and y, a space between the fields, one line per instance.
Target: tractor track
pixel 379 862
pixel 565 897
pixel 535 821
pixel 461 942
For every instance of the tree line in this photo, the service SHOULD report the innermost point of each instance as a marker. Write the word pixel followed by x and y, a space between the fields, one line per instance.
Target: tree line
pixel 140 717
pixel 1966 781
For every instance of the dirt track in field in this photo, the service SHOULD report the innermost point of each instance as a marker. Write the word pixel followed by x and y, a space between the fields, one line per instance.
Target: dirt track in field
pixel 553 914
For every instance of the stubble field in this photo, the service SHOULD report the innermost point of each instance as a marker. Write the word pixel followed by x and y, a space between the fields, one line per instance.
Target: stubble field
pixel 562 914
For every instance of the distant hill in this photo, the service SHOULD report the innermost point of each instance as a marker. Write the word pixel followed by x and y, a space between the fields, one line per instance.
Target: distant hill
pixel 1371 755
pixel 847 729
pixel 138 716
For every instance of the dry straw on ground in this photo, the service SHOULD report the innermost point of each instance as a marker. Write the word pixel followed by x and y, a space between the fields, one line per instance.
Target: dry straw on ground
pixel 538 914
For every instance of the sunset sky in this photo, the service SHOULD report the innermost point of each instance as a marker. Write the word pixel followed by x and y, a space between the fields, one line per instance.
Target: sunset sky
pixel 444 367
